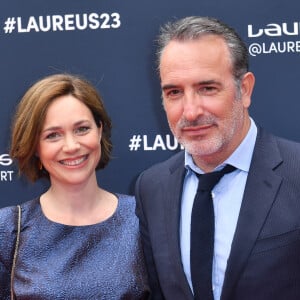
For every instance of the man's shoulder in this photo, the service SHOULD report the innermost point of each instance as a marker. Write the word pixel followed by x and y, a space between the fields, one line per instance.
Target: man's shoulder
pixel 271 150
pixel 266 137
pixel 173 162
pixel 284 144
pixel 162 174
pixel 287 144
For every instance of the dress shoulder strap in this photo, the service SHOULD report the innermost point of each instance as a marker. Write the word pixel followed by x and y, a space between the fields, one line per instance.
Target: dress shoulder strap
pixel 15 252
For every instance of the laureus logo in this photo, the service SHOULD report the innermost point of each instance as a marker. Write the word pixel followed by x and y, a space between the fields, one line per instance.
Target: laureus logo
pixel 5 160
pixel 274 30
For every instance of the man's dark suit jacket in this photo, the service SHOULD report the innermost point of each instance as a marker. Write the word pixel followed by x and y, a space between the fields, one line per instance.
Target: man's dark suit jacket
pixel 264 262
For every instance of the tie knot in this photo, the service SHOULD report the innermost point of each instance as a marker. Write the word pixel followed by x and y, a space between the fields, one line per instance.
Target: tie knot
pixel 207 181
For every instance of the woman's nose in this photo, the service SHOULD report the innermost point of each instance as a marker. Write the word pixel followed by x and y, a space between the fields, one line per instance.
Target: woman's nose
pixel 71 143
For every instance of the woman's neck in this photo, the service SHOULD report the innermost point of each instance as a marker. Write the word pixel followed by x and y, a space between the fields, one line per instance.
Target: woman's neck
pixel 78 205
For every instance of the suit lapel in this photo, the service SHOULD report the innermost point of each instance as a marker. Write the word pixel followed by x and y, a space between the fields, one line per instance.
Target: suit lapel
pixel 260 192
pixel 172 220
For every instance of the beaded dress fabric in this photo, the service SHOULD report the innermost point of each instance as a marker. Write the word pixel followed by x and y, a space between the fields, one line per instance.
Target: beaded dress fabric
pixel 56 261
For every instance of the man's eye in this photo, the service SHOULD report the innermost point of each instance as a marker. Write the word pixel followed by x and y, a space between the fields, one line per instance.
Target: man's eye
pixel 208 90
pixel 173 93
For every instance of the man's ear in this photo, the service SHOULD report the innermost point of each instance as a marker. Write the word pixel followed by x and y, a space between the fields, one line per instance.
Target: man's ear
pixel 247 85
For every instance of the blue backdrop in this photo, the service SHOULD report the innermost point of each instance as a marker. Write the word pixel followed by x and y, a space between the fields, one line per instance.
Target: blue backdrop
pixel 111 43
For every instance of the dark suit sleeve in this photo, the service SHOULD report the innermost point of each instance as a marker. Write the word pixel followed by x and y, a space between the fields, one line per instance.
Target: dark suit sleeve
pixel 156 293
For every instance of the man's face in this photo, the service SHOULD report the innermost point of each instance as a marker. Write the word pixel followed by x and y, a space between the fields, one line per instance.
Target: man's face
pixel 200 98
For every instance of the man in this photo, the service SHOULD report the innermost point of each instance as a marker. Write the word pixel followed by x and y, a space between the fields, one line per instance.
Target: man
pixel 206 90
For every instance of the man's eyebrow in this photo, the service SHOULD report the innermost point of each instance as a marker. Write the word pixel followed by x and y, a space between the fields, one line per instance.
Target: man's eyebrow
pixel 204 82
pixel 168 86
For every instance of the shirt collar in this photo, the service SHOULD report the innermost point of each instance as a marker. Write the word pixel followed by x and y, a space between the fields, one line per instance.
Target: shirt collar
pixel 240 158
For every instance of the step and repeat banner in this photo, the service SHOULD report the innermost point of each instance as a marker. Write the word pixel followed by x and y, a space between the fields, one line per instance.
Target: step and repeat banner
pixel 112 44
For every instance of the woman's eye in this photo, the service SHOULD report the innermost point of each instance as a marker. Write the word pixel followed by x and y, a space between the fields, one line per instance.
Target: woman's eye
pixel 82 129
pixel 52 135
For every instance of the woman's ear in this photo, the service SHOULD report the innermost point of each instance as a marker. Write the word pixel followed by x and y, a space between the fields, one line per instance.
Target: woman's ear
pixel 100 129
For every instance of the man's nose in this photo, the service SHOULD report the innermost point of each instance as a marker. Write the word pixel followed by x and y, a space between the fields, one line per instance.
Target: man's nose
pixel 192 106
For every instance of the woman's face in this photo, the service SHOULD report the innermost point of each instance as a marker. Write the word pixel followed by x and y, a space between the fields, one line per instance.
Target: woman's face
pixel 69 145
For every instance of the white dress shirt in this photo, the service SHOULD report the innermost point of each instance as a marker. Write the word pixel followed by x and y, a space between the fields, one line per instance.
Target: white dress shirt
pixel 227 198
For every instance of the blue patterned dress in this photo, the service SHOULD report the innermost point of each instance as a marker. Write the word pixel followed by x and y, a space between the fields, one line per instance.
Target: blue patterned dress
pixel 56 261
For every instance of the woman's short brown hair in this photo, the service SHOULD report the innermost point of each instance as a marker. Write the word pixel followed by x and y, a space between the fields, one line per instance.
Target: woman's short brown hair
pixel 31 112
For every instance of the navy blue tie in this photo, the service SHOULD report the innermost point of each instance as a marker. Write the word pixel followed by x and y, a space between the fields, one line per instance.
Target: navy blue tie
pixel 202 234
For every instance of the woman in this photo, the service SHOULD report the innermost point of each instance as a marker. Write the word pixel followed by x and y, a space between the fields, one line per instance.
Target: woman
pixel 77 240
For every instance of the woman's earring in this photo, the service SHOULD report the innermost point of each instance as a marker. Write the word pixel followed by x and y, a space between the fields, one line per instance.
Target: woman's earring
pixel 40 166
